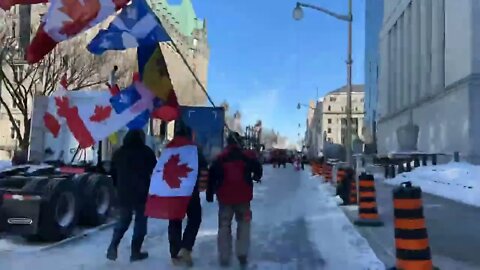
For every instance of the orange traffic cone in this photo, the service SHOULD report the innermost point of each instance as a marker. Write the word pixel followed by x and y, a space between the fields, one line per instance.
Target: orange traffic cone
pixel 367 212
pixel 411 238
pixel 327 172
pixel 353 190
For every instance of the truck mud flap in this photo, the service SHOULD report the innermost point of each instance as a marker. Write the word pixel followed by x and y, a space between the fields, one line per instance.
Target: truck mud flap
pixel 20 213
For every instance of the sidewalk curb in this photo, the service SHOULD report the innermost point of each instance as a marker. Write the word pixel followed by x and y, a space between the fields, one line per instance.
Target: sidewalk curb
pixel 80 236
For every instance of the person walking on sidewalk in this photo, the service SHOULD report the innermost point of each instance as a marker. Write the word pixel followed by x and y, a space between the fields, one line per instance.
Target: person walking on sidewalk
pixel 132 166
pixel 231 179
pixel 181 247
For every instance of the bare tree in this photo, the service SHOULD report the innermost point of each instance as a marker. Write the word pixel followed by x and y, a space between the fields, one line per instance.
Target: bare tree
pixel 21 81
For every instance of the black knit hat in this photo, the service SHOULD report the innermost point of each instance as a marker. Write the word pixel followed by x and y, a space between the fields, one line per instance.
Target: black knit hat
pixel 181 129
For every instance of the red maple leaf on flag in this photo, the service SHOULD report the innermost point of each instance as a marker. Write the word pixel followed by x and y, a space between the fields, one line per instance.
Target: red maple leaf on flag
pixel 52 124
pixel 81 14
pixel 101 113
pixel 173 171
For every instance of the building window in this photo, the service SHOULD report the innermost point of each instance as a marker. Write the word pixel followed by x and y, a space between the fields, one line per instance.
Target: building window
pixel 333 99
pixel 342 108
pixel 356 109
pixel 329 130
pixel 12 129
pixel 329 108
pixel 19 72
pixel 329 120
pixel 362 100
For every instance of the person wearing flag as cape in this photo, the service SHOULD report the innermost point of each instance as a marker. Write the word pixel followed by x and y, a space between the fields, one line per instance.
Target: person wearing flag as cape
pixel 132 166
pixel 174 192
pixel 231 179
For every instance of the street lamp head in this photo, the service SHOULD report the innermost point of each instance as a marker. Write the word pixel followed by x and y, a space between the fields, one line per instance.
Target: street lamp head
pixel 298 106
pixel 298 12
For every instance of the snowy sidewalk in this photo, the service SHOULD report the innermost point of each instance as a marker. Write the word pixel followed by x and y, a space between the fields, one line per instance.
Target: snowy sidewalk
pixel 296 225
pixel 456 181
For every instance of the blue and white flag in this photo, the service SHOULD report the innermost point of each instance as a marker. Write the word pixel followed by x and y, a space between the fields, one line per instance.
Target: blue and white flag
pixel 136 25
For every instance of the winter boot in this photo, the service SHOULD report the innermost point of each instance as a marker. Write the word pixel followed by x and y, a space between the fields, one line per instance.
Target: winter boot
pixel 177 261
pixel 112 253
pixel 224 264
pixel 112 249
pixel 243 261
pixel 137 255
pixel 186 256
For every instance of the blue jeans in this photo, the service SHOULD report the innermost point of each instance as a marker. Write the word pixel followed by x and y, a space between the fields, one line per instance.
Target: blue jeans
pixel 123 222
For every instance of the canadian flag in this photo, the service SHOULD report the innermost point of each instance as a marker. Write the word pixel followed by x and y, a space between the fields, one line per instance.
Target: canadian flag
pixel 50 119
pixel 66 19
pixel 173 180
pixel 92 116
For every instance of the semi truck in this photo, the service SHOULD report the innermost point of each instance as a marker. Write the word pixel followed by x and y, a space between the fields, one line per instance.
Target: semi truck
pixel 69 187
pixel 207 124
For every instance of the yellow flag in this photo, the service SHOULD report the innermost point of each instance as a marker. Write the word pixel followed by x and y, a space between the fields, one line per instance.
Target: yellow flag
pixel 155 75
pixel 113 138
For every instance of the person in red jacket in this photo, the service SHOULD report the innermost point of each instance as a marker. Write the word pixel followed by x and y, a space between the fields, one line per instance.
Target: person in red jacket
pixel 231 178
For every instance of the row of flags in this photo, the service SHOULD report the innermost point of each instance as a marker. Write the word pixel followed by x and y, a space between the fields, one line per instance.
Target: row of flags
pixel 151 93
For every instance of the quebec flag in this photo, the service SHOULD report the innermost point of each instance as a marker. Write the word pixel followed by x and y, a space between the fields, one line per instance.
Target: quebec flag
pixel 136 25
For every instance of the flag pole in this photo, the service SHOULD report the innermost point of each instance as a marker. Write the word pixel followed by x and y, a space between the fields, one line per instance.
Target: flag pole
pixel 193 73
pixel 196 79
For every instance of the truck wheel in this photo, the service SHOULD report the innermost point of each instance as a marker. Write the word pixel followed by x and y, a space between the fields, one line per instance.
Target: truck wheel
pixel 59 210
pixel 98 200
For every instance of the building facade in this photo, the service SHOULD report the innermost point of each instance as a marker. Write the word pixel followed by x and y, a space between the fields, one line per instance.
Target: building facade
pixel 313 134
pixel 373 25
pixel 334 117
pixel 329 119
pixel 190 37
pixel 430 76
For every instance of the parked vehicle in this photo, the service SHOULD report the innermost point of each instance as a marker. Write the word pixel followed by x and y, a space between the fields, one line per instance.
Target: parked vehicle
pixel 207 124
pixel 70 187
pixel 47 201
pixel 279 158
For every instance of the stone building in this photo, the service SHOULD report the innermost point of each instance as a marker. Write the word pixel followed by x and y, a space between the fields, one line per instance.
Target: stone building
pixel 429 77
pixel 334 118
pixel 329 119
pixel 314 133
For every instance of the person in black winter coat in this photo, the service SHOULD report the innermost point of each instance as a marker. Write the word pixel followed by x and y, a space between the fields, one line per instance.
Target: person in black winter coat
pixel 131 169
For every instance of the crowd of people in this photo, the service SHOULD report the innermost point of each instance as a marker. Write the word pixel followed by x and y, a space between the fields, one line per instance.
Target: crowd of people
pixel 230 178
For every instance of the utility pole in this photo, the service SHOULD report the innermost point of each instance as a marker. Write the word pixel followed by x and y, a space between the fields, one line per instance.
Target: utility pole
pixel 348 141
pixel 298 15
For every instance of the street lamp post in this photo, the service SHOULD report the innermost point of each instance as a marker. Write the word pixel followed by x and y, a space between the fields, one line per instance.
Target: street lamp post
pixel 300 105
pixel 298 15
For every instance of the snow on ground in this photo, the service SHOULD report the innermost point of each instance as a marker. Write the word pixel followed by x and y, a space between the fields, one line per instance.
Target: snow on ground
pixel 334 233
pixel 5 164
pixel 456 181
pixel 296 225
